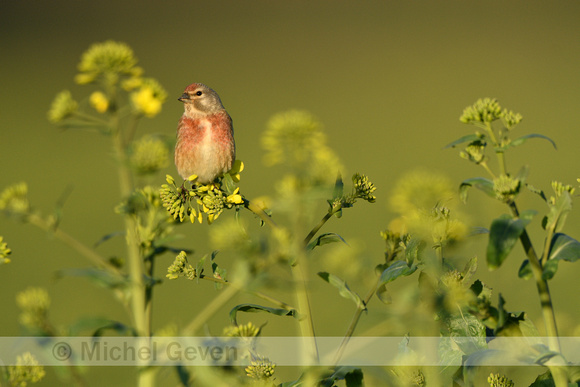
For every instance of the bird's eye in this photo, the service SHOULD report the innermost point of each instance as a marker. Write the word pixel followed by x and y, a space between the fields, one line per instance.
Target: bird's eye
pixel 198 93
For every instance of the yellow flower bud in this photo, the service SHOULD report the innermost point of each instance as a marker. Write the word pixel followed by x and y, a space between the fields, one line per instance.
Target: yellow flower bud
pixel 99 101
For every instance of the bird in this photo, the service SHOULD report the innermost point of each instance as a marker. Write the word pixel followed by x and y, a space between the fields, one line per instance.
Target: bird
pixel 205 136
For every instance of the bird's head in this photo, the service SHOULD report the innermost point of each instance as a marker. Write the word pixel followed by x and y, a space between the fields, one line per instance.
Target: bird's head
pixel 200 99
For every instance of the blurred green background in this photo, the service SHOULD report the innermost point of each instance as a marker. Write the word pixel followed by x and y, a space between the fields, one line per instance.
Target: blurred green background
pixel 388 79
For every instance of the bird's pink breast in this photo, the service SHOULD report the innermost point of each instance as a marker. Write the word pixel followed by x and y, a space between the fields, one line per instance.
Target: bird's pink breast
pixel 205 146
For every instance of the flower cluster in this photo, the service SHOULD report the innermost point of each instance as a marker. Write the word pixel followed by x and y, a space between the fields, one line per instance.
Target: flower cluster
pixel 482 111
pixel 244 330
pixel 511 119
pixel 148 97
pixel 363 188
pixel 418 198
pixel 475 151
pixel 295 138
pixel 495 380
pixel 14 199
pixel 559 189
pixel 149 155
pixel 63 107
pixel 34 303
pixel 261 368
pixel 192 200
pixel 180 267
pixel 395 243
pixel 4 251
pixel 113 66
pixel 25 371
pixel 487 110
pixel 506 188
pixel 108 60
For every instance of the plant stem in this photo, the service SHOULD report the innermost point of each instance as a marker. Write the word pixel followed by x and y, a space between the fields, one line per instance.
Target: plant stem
pixel 260 213
pixel 558 373
pixel 484 165
pixel 306 323
pixel 499 153
pixel 139 305
pixel 67 239
pixel 212 308
pixel 316 228
pixel 354 322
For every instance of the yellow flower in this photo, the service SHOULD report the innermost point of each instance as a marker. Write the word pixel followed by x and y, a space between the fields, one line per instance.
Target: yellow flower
pixel 482 111
pixel 99 101
pixel 109 59
pixel 180 267
pixel 145 102
pixel 62 107
pixel 14 199
pixel 34 303
pixel 296 138
pixel 149 97
pixel 261 368
pixel 25 371
pixel 236 169
pixel 235 198
pixel 420 190
pixel 244 330
pixel 150 154
pixel 4 252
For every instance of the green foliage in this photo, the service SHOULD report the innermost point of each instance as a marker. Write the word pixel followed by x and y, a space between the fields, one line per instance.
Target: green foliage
pixel 252 308
pixel 504 233
pixel 343 288
pixel 446 299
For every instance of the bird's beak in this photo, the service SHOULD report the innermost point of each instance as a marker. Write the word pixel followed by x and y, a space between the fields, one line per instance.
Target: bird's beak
pixel 183 97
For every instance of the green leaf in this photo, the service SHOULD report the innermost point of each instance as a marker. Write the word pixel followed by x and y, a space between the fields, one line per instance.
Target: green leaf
pixel 413 249
pixel 523 173
pixel 503 235
pixel 119 328
pixel 480 183
pixel 91 324
pixel 559 211
pixel 470 269
pixel 396 270
pixel 383 295
pixel 338 187
pixel 563 247
pixel 100 277
pixel 468 138
pixel 544 380
pixel 199 267
pixel 183 375
pixel 325 239
pixel 537 191
pixel 253 308
pixel 216 270
pixel 478 231
pixel 351 375
pixel 343 288
pixel 108 236
pixel 507 322
pixel 228 184
pixel 525 271
pixel 476 287
pixel 354 378
pixel 523 139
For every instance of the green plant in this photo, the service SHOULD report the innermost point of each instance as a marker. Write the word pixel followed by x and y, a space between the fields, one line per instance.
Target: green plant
pixel 282 240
